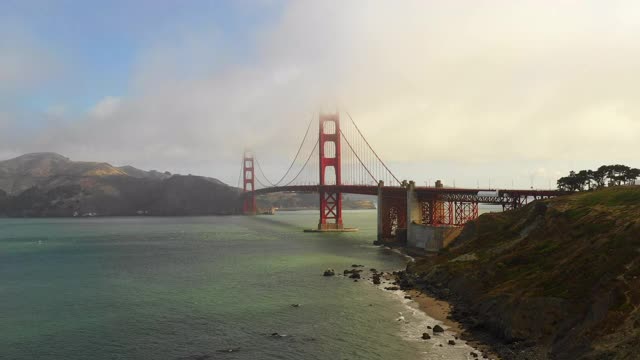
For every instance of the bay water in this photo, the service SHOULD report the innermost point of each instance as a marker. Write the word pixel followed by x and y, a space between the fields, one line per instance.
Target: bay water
pixel 198 287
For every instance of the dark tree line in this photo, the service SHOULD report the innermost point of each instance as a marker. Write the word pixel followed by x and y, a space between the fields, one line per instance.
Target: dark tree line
pixel 606 175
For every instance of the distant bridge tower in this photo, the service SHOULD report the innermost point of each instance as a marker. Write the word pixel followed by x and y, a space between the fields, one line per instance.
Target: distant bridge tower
pixel 248 173
pixel 330 166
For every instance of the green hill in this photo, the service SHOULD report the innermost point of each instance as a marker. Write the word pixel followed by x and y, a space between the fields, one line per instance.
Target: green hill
pixel 48 184
pixel 557 279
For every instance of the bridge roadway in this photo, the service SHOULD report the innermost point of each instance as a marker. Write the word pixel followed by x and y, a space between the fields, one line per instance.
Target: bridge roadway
pixel 442 193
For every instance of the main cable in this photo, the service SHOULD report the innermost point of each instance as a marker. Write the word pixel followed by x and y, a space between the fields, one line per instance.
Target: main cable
pixel 255 159
pixel 374 152
pixel 297 153
pixel 305 163
pixel 358 157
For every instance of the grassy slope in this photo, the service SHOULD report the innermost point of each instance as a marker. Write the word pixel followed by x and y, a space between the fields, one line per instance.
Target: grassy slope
pixel 563 272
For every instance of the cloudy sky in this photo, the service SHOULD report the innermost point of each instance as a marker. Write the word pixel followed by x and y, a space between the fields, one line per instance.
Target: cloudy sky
pixel 512 92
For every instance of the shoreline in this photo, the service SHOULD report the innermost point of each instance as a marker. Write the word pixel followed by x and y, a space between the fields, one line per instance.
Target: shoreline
pixel 440 310
pixel 432 312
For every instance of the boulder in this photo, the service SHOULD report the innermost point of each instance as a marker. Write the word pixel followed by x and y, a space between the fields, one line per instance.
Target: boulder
pixel 425 336
pixel 352 271
pixel 329 272
pixel 376 280
pixel 438 329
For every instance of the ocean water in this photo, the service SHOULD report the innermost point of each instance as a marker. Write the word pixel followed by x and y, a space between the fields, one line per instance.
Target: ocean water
pixel 194 287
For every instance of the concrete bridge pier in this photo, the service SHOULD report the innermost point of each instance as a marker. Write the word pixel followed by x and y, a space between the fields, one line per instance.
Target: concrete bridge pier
pixel 414 212
pixel 419 234
pixel 392 213
pixel 379 209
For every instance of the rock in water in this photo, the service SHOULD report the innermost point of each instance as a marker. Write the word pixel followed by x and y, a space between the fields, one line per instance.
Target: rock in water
pixel 438 329
pixel 425 336
pixel 329 272
pixel 451 342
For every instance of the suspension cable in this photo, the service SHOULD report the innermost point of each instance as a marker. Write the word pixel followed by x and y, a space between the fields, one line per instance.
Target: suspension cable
pixel 297 153
pixel 357 157
pixel 305 164
pixel 374 152
pixel 255 159
pixel 260 182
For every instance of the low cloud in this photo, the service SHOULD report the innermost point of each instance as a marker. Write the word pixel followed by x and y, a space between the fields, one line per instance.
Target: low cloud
pixel 520 83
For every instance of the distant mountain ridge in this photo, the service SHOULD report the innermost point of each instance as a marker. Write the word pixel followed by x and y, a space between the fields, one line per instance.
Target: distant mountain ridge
pixel 23 172
pixel 49 184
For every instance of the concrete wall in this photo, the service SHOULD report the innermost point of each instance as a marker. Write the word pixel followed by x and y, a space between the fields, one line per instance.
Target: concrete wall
pixel 425 237
pixel 429 238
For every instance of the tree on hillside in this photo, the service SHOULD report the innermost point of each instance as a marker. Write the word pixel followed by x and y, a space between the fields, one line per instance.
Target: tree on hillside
pixel 632 175
pixel 599 176
pixel 617 174
pixel 611 175
pixel 573 182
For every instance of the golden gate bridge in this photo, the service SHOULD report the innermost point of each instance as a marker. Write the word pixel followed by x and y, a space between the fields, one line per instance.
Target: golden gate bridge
pixel 339 160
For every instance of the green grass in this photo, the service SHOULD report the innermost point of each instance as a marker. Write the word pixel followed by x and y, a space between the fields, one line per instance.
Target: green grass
pixel 616 196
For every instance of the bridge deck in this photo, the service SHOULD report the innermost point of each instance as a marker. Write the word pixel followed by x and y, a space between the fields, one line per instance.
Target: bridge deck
pixel 449 194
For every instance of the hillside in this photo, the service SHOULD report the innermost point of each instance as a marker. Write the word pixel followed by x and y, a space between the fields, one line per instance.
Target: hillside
pixel 557 279
pixel 37 169
pixel 48 184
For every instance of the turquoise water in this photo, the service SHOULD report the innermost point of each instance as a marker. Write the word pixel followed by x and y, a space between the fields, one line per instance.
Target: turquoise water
pixel 187 288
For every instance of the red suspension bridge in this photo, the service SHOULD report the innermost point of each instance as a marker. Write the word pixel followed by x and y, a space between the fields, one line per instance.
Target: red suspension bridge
pixel 339 160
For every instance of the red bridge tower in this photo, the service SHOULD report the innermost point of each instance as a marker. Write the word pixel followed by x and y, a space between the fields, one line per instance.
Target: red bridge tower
pixel 249 187
pixel 329 150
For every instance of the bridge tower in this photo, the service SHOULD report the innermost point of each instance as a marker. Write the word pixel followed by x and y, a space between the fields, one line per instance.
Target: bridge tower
pixel 330 164
pixel 249 207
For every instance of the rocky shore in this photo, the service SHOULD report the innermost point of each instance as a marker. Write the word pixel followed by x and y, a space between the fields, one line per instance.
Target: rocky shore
pixel 437 301
pixel 452 332
pixel 557 279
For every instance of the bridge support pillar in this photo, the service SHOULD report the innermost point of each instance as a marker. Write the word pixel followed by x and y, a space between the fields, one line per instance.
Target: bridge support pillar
pixel 249 207
pixel 379 208
pixel 392 214
pixel 330 164
pixel 414 210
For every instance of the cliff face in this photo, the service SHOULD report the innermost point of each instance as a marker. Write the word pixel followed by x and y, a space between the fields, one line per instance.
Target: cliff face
pixel 557 279
pixel 46 184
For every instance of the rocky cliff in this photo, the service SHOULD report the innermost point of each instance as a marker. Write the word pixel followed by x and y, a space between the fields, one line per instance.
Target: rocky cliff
pixel 557 279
